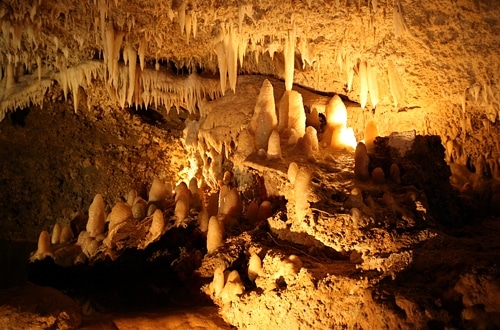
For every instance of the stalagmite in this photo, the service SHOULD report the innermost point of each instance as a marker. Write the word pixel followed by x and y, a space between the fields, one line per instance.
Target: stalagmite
pixel 233 287
pixel 301 193
pixel 395 173
pixel 56 234
pixel 181 209
pixel 139 208
pixel 218 281
pixel 215 233
pixel 371 132
pixel 227 178
pixel 131 196
pixel 336 112
pixel 119 213
pixel 293 169
pixel 232 207
pixel 378 175
pixel 274 147
pixel 203 219
pixel 283 111
pixel 157 225
pixel 254 267
pixel 265 211
pixel 264 119
pixel 311 140
pixel 66 234
pixel 361 162
pixel 44 249
pixel 252 212
pixel 363 84
pixel 296 113
pixel 373 84
pixel 97 216
pixel 224 190
pixel 158 191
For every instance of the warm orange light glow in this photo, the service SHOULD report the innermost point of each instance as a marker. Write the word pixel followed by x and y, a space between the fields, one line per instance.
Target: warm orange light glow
pixel 343 137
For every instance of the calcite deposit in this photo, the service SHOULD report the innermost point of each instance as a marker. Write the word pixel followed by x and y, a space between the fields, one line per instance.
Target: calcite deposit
pixel 299 165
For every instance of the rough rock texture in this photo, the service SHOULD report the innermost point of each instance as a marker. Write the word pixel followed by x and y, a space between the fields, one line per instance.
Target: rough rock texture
pixel 35 307
pixel 57 160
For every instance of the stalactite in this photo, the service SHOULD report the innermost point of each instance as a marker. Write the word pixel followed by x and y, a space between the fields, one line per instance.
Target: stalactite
pixel 189 22
pixel 231 45
pixel 373 84
pixel 223 66
pixel 132 63
pixel 363 84
pixel 142 54
pixel 396 84
pixel 289 54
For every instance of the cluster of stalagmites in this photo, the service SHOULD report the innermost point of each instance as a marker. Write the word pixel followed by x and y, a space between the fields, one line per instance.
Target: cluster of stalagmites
pixel 287 124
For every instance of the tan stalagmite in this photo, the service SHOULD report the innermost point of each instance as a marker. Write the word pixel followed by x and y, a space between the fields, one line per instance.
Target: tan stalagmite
pixel 139 208
pixel 311 141
pixel 265 211
pixel 215 233
pixel 157 224
pixel 181 210
pixel 371 132
pixel 264 118
pixel 378 175
pixel 296 113
pixel 254 267
pixel 119 213
pixel 395 173
pixel 56 233
pixel 203 219
pixel 283 111
pixel 252 212
pixel 131 196
pixel 361 162
pixel 158 191
pixel 301 193
pixel 233 287
pixel 336 112
pixel 218 281
pixel 273 146
pixel 293 169
pixel 97 216
pixel 66 234
pixel 43 249
pixel 232 207
pixel 224 190
pixel 181 189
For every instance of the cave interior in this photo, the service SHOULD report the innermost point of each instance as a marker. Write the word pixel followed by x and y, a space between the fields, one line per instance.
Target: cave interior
pixel 217 164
